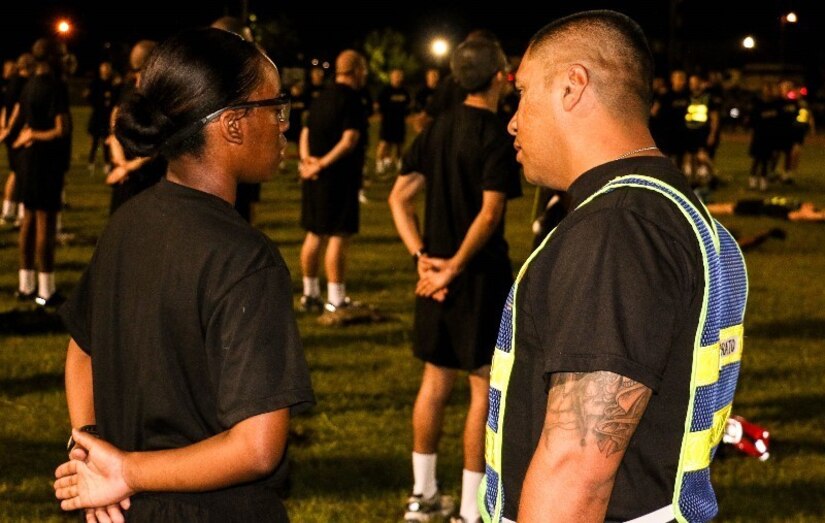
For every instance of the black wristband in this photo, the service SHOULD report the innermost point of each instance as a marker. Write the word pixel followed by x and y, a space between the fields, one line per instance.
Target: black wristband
pixel 89 429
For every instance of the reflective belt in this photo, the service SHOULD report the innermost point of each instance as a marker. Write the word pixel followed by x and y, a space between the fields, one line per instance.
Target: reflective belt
pixel 663 515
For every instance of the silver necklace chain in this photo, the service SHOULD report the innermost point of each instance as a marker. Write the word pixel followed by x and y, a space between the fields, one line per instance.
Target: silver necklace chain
pixel 636 151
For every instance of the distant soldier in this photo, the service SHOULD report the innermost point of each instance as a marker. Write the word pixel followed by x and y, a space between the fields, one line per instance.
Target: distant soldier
pixel 701 129
pixel 670 112
pixel 332 152
pixel 394 105
pixel 795 120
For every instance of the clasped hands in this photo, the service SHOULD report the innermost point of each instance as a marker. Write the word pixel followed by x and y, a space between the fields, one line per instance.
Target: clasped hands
pixel 309 168
pixel 93 479
pixel 434 275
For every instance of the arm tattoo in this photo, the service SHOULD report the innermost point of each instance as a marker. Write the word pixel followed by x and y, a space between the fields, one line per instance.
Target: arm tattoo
pixel 602 407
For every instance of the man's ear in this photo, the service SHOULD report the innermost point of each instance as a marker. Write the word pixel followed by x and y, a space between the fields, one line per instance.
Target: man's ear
pixel 576 81
pixel 230 126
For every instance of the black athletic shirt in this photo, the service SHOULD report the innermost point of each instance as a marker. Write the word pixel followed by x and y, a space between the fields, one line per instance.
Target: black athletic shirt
pixel 337 109
pixel 618 288
pixel 447 153
pixel 187 314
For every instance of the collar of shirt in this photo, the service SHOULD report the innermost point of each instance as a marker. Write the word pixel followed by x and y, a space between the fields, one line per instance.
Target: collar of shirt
pixel 591 181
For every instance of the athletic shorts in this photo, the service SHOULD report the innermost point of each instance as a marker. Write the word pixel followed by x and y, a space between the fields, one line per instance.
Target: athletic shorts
pixel 461 332
pixel 329 205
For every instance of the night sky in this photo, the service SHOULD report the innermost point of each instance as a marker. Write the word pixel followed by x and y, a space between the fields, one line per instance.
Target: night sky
pixel 704 36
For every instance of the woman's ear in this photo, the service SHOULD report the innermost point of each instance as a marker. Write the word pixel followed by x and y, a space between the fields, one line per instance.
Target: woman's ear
pixel 230 126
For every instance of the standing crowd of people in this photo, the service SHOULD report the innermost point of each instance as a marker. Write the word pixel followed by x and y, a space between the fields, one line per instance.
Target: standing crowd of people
pixel 600 376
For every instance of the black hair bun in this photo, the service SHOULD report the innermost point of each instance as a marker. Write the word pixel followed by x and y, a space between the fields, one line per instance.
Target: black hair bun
pixel 141 126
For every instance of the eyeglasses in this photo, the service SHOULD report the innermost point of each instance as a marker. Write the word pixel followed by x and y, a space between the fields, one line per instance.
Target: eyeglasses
pixel 281 102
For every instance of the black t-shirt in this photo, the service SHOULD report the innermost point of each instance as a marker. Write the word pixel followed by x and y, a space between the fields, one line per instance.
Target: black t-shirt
pixel 394 104
pixel 423 98
pixel 336 109
pixel 448 94
pixel 187 314
pixel 464 152
pixel 618 288
pixel 672 112
pixel 42 99
pixel 14 90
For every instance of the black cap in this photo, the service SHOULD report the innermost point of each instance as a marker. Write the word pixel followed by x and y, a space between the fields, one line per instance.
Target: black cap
pixel 475 62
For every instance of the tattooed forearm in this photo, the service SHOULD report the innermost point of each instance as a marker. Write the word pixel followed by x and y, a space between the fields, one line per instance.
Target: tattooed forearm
pixel 602 407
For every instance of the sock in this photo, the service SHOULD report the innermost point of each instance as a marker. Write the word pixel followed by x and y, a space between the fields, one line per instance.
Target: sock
pixel 21 211
pixel 336 292
pixel 45 285
pixel 424 474
pixel 8 208
pixel 27 281
pixel 470 481
pixel 312 287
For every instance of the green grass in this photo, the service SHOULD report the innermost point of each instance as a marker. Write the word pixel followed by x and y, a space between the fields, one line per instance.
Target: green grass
pixel 350 455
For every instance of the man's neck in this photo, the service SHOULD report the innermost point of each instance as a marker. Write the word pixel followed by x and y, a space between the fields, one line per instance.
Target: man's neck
pixel 346 80
pixel 484 100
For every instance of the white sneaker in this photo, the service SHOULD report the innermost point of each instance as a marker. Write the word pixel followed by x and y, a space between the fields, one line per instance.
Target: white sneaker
pixel 420 509
pixel 362 196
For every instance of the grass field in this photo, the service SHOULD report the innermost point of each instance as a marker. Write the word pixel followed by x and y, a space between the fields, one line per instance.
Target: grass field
pixel 350 455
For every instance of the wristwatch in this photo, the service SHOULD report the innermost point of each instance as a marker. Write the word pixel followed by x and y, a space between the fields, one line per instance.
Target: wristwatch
pixel 89 429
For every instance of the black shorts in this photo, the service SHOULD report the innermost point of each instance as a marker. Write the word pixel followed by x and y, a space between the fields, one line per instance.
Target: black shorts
pixel 329 205
pixel 461 332
pixel 393 131
pixel 697 139
pixel 40 178
pixel 233 505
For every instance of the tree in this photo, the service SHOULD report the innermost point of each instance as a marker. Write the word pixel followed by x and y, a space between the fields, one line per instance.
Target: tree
pixel 385 51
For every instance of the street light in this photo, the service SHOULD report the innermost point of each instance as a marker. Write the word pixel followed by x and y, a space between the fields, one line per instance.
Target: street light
pixel 749 42
pixel 791 18
pixel 63 27
pixel 440 48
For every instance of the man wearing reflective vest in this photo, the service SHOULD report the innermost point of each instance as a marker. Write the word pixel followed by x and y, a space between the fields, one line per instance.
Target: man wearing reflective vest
pixel 621 340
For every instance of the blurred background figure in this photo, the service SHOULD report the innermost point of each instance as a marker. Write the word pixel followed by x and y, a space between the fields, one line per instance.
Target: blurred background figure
pixel 423 98
pixel 795 121
pixel 701 121
pixel 10 125
pixel 298 99
pixel 764 124
pixel 130 174
pixel 394 105
pixel 332 160
pixel 102 96
pixel 44 154
pixel 316 84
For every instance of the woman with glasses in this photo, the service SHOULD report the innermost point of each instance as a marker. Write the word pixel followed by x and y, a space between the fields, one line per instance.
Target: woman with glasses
pixel 184 358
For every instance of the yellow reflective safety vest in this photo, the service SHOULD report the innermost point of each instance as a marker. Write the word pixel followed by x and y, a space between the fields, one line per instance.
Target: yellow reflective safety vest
pixel 717 354
pixel 697 114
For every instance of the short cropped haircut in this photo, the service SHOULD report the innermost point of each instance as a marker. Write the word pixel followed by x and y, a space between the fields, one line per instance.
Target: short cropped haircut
pixel 615 51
